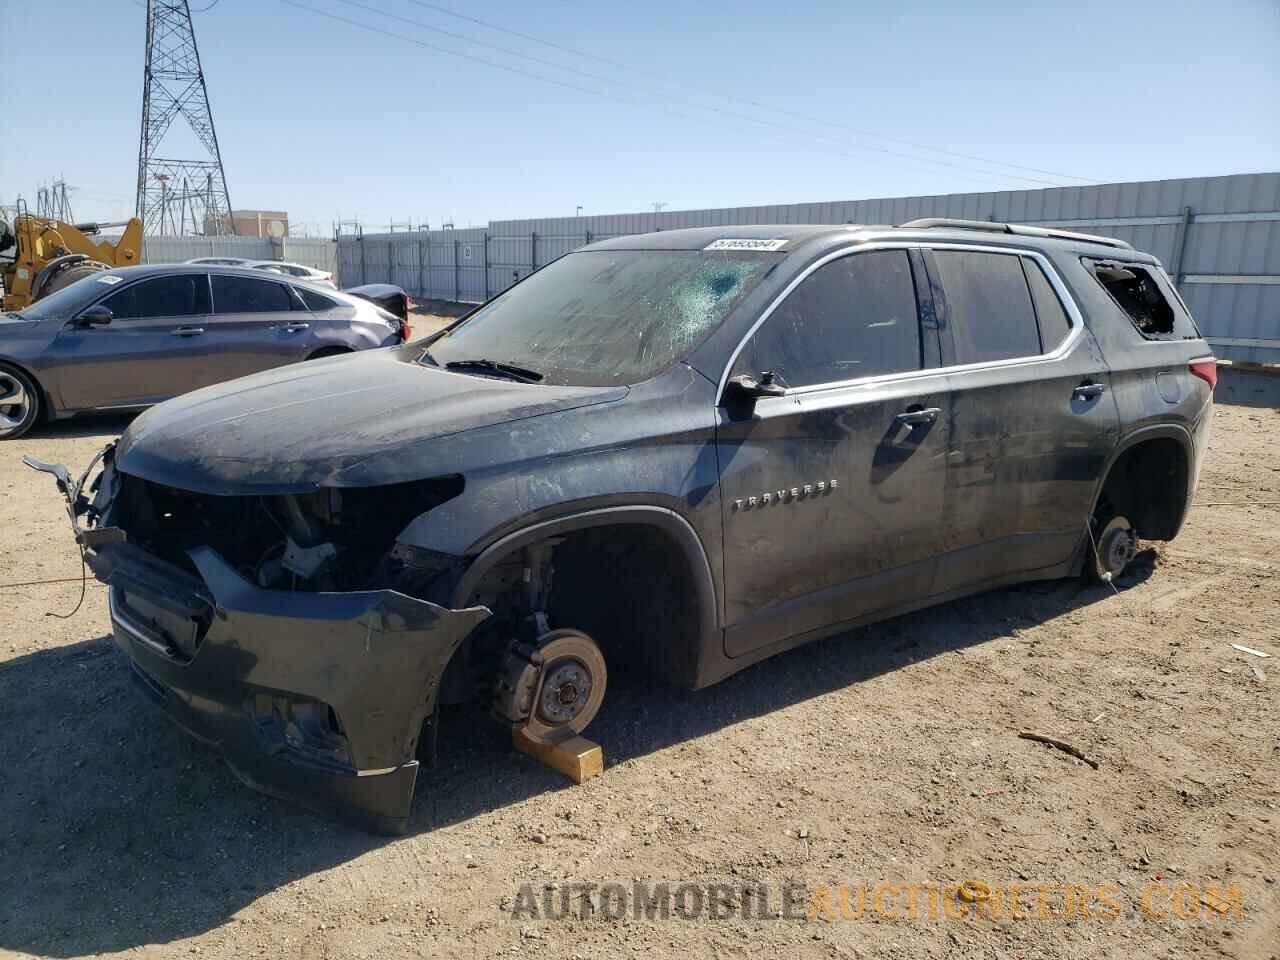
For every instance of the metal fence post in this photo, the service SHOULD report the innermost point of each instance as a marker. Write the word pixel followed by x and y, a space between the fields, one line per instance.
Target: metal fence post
pixel 1180 247
pixel 363 269
pixel 422 266
pixel 457 278
pixel 486 266
pixel 533 251
pixel 586 237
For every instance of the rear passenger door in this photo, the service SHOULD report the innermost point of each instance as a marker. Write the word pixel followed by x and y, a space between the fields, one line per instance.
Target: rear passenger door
pixel 260 324
pixel 829 496
pixel 1029 413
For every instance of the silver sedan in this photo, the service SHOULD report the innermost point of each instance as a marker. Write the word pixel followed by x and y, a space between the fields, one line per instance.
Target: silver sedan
pixel 129 338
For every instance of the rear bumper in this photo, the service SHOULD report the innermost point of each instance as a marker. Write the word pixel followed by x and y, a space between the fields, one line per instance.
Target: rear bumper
pixel 316 698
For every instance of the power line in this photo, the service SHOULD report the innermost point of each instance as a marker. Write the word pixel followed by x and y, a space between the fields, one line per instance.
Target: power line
pixel 985 176
pixel 711 91
pixel 662 93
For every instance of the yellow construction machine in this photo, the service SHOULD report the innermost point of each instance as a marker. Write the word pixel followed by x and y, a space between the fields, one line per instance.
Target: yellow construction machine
pixel 39 255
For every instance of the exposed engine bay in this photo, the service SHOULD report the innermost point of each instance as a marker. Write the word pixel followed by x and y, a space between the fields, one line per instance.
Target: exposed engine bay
pixel 331 540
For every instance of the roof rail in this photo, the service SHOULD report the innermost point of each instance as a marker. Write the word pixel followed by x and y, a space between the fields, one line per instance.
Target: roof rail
pixel 1015 228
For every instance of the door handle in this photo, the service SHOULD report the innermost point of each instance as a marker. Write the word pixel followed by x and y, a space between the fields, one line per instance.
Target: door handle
pixel 188 331
pixel 918 416
pixel 295 327
pixel 1087 391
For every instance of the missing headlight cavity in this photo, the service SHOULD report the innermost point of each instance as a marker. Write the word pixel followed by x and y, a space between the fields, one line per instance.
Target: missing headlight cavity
pixel 1136 291
pixel 334 539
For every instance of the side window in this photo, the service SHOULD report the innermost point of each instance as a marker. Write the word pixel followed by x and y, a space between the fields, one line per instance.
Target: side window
pixel 249 295
pixel 315 301
pixel 1137 293
pixel 854 317
pixel 180 295
pixel 1054 324
pixel 988 306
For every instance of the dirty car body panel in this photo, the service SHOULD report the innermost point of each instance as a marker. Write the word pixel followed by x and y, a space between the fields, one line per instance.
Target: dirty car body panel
pixel 304 550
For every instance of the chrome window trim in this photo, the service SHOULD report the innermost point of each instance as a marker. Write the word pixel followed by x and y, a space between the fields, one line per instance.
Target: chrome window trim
pixel 1074 316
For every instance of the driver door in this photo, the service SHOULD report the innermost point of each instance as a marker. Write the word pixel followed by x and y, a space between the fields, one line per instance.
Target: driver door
pixel 143 355
pixel 831 492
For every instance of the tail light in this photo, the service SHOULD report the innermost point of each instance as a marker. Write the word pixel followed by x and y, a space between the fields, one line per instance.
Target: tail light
pixel 404 330
pixel 1206 370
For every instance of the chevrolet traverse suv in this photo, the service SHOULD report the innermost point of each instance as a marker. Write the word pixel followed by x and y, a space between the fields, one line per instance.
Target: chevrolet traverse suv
pixel 678 453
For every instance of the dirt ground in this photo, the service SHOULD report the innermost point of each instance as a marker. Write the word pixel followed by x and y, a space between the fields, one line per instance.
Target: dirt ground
pixel 888 756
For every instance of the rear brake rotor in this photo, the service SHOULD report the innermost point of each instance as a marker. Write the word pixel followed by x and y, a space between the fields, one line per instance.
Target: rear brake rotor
pixel 1117 543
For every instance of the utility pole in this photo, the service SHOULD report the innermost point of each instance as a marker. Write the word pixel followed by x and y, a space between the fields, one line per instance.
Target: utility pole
pixel 173 85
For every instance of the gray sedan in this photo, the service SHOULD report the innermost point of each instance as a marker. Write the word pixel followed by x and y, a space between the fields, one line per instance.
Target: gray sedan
pixel 126 339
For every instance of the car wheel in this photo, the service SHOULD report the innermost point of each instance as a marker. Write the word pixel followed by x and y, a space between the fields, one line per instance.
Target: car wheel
pixel 19 403
pixel 1113 544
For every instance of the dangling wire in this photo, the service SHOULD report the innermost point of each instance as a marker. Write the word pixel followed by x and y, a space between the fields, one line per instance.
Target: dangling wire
pixel 1106 575
pixel 83 584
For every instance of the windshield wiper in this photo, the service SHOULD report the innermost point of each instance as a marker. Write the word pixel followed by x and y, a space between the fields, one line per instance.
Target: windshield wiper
pixel 508 370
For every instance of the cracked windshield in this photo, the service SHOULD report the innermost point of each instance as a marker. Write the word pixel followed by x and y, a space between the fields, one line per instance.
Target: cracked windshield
pixel 599 318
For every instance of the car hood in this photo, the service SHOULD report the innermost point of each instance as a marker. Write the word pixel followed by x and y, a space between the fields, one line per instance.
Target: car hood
pixel 299 427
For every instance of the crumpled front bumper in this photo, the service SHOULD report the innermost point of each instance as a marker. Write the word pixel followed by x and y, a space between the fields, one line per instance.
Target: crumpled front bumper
pixel 317 698
pixel 313 697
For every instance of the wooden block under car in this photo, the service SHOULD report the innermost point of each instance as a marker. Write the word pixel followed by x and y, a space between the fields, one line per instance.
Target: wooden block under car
pixel 577 757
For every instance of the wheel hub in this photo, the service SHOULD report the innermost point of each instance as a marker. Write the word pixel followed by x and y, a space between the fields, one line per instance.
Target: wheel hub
pixel 566 690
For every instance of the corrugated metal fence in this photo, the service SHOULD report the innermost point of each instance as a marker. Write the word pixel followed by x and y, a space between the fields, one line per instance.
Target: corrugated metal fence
pixel 1219 237
pixel 311 252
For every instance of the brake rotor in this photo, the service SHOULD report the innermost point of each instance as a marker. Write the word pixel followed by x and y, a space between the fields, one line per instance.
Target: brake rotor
pixel 556 688
pixel 1117 544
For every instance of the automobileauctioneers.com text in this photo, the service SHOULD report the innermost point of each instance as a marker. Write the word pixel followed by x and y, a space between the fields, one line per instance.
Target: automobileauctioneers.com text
pixel 969 899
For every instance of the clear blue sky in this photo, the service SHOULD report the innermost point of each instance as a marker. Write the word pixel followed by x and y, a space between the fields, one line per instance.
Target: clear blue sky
pixel 321 118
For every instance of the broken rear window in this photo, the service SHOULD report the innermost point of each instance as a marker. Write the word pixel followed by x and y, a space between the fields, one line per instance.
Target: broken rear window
pixel 1136 291
pixel 604 317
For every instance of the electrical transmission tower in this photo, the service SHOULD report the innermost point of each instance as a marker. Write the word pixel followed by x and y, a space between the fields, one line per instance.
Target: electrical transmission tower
pixel 178 196
pixel 52 202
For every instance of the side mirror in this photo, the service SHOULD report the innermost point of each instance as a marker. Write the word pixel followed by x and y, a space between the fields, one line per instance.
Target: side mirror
pixel 95 316
pixel 746 389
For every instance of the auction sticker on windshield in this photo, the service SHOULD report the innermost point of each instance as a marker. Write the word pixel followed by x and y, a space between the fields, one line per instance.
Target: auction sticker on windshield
pixel 746 244
pixel 108 279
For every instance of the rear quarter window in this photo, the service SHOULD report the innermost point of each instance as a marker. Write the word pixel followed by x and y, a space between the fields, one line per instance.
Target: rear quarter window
pixel 1133 288
pixel 315 301
pixel 1050 315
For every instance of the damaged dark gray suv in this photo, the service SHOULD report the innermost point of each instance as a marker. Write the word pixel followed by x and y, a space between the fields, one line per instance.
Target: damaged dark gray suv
pixel 677 453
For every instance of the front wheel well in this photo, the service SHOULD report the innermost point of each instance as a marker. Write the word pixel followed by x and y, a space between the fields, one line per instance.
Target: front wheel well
pixel 1148 483
pixel 628 586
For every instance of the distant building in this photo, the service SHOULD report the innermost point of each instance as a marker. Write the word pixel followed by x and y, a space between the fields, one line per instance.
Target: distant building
pixel 260 223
